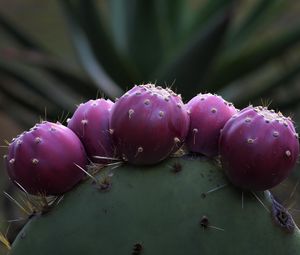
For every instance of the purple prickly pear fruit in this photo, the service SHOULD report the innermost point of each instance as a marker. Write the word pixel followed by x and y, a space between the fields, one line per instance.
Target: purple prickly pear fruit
pixel 208 115
pixel 148 123
pixel 42 160
pixel 90 123
pixel 258 148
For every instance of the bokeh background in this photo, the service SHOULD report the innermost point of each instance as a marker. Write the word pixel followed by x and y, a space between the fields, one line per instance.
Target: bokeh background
pixel 56 54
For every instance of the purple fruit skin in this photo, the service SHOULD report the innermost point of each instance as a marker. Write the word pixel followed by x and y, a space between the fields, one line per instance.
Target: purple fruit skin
pixel 43 159
pixel 90 122
pixel 148 123
pixel 258 148
pixel 208 115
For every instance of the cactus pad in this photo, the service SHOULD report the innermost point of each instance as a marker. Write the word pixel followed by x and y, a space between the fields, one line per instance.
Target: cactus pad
pixel 180 206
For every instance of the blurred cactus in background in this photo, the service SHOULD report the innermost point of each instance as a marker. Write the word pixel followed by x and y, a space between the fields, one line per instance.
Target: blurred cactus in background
pixel 222 46
pixel 247 51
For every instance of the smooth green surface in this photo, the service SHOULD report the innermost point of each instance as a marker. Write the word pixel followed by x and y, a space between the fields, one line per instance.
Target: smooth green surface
pixel 161 210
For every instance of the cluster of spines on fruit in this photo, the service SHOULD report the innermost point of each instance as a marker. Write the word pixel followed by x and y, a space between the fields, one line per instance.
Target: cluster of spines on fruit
pixel 258 148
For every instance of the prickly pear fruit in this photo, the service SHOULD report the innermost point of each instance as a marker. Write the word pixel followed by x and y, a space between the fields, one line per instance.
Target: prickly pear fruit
pixel 42 160
pixel 148 123
pixel 90 124
pixel 161 211
pixel 258 148
pixel 208 115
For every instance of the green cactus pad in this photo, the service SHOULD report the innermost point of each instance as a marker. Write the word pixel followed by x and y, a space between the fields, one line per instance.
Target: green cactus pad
pixel 167 209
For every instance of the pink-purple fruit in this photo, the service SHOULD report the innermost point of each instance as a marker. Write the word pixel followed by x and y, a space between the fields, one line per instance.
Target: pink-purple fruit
pixel 258 148
pixel 90 124
pixel 208 115
pixel 43 159
pixel 148 123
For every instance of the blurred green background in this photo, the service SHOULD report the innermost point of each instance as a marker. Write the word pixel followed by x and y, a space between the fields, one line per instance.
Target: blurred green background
pixel 56 54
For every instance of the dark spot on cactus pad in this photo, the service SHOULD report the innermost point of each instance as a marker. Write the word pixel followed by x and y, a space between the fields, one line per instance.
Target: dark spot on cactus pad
pixel 176 167
pixel 204 223
pixel 137 249
pixel 203 195
pixel 282 217
pixel 23 235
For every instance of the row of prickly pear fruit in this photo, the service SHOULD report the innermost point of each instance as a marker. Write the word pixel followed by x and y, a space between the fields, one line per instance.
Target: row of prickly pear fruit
pixel 258 147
